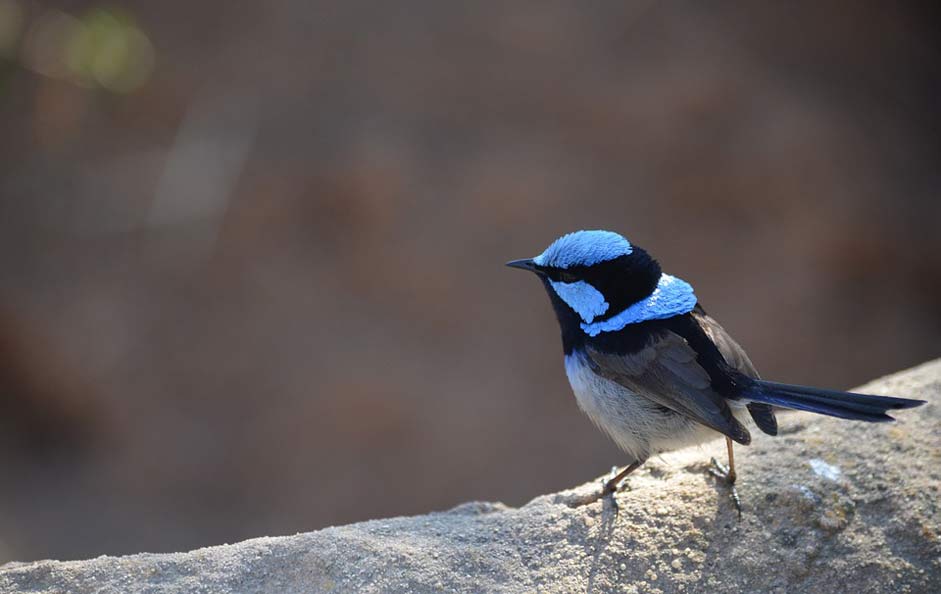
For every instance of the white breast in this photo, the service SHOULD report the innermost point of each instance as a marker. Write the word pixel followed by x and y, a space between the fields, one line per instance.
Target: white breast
pixel 636 424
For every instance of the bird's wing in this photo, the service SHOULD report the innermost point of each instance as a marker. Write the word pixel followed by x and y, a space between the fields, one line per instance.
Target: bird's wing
pixel 666 372
pixel 734 355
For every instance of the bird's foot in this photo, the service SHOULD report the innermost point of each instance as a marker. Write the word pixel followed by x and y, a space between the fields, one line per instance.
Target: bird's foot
pixel 609 487
pixel 721 471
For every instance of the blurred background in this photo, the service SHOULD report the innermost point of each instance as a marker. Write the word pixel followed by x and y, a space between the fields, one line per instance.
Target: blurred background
pixel 251 253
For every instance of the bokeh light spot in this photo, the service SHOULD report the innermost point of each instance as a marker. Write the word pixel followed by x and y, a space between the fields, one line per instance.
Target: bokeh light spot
pixel 46 43
pixel 110 51
pixel 104 48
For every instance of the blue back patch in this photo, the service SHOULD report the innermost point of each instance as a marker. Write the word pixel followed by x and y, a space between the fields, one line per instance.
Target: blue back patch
pixel 582 297
pixel 584 248
pixel 672 297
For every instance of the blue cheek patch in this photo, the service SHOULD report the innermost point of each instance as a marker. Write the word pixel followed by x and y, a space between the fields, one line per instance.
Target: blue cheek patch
pixel 672 297
pixel 583 298
pixel 584 248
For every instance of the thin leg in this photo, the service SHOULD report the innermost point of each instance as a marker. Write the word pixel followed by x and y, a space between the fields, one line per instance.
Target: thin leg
pixel 610 486
pixel 728 446
pixel 727 473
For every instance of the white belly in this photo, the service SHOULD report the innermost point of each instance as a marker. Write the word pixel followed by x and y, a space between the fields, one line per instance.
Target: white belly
pixel 636 424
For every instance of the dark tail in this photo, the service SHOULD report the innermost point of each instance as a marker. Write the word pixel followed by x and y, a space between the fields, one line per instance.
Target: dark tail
pixel 845 405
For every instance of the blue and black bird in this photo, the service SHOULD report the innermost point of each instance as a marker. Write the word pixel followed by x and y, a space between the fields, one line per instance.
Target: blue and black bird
pixel 652 369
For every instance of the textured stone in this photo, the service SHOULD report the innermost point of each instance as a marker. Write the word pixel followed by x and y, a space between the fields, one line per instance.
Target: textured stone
pixel 829 506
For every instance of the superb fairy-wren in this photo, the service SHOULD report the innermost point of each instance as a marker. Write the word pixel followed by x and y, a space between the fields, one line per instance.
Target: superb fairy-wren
pixel 652 369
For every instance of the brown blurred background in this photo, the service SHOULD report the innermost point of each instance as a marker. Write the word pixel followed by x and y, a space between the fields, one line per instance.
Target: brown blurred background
pixel 252 253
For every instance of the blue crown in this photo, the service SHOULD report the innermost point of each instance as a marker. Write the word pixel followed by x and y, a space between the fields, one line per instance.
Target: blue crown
pixel 584 248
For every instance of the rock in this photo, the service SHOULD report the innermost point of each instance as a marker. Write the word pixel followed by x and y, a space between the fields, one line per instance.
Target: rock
pixel 829 505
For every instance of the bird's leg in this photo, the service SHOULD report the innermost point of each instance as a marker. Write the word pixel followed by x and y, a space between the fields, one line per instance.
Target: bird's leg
pixel 610 486
pixel 727 473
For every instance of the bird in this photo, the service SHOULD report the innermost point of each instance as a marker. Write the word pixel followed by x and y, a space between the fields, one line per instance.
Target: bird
pixel 653 370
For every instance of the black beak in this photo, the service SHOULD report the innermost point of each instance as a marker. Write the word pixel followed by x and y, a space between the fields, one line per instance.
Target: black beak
pixel 524 264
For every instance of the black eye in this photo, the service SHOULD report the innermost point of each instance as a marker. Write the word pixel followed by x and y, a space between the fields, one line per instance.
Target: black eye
pixel 567 277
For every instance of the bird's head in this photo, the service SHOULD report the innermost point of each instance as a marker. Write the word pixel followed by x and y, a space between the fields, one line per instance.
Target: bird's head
pixel 593 274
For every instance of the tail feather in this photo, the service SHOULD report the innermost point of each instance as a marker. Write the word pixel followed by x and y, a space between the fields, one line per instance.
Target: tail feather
pixel 763 415
pixel 845 405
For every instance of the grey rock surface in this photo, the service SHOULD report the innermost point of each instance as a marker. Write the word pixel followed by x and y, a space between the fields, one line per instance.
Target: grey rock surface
pixel 829 506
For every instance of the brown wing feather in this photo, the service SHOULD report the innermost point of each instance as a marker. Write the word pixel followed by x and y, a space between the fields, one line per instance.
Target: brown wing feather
pixel 667 373
pixel 735 356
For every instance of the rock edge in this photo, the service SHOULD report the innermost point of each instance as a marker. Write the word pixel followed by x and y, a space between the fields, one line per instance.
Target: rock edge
pixel 829 506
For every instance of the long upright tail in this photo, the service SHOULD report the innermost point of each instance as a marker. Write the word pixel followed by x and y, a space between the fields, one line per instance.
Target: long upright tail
pixel 845 405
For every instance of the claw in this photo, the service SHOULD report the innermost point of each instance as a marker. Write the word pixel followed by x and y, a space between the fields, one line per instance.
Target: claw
pixel 610 486
pixel 722 471
pixel 608 491
pixel 719 470
pixel 614 505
